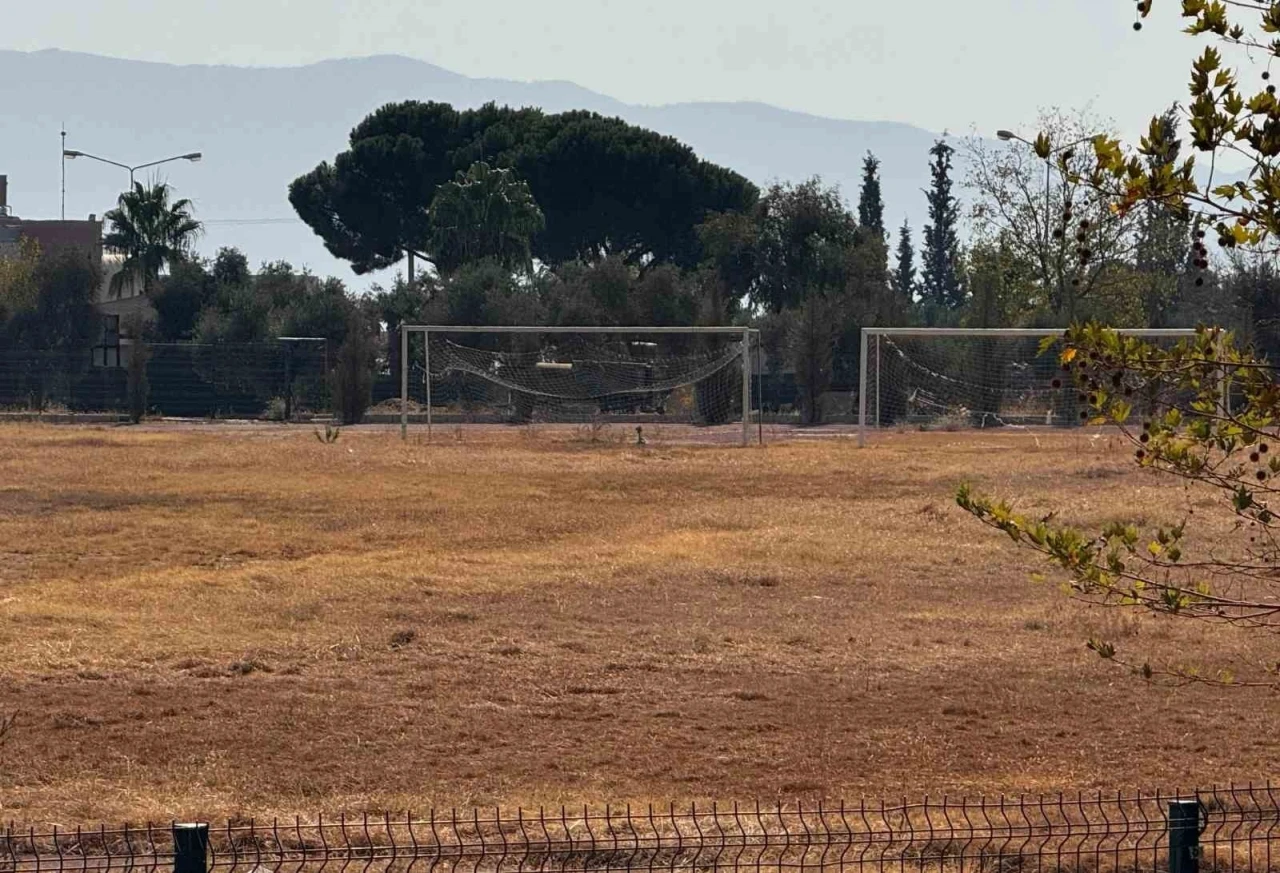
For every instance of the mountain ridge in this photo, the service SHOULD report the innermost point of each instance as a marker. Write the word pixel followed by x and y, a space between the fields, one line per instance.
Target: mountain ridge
pixel 261 127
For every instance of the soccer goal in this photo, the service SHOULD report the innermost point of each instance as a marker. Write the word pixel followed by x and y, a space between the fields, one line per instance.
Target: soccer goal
pixel 599 378
pixel 957 378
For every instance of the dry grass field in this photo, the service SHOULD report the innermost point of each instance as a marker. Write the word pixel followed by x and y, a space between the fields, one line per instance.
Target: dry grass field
pixel 217 623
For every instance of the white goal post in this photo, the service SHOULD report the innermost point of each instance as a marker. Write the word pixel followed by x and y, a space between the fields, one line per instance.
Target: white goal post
pixel 982 374
pixel 628 362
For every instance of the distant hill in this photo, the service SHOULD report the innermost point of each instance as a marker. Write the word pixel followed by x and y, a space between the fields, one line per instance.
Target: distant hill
pixel 259 128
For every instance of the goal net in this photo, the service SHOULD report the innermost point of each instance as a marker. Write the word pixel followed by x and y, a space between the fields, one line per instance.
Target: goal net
pixel 953 378
pixel 589 376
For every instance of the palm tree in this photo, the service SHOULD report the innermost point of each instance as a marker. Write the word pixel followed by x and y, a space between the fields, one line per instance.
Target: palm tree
pixel 150 232
pixel 483 213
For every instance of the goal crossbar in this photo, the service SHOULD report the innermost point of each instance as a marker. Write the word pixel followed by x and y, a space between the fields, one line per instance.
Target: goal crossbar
pixel 452 328
pixel 747 335
pixel 872 335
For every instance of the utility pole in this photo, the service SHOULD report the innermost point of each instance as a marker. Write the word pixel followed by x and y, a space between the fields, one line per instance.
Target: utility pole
pixel 64 172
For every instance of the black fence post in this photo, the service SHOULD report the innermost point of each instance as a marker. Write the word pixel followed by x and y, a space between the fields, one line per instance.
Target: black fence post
pixel 190 847
pixel 1184 836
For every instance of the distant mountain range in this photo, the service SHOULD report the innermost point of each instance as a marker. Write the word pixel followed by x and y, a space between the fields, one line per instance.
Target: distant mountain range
pixel 259 128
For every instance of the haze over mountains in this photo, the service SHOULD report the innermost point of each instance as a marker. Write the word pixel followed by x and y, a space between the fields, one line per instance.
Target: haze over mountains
pixel 259 128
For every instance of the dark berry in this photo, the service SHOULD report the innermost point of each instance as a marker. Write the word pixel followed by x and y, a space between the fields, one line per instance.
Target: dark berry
pixel 1262 475
pixel 1145 438
pixel 1271 89
pixel 1140 454
pixel 1137 25
pixel 1082 398
pixel 1199 234
pixel 1255 457
pixel 1264 448
pixel 1199 281
pixel 1084 224
pixel 1116 378
pixel 1057 233
pixel 1266 75
pixel 1083 415
pixel 1056 384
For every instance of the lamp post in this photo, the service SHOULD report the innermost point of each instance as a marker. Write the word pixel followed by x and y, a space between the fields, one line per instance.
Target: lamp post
pixel 72 154
pixel 1008 136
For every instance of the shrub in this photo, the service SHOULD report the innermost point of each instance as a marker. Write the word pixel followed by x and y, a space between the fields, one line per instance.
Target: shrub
pixel 353 373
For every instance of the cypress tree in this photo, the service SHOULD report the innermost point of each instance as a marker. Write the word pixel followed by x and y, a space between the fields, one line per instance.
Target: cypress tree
pixel 870 201
pixel 941 255
pixel 904 275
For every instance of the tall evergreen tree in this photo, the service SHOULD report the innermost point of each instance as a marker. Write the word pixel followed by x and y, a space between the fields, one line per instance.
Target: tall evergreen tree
pixel 870 201
pixel 941 255
pixel 1164 243
pixel 904 275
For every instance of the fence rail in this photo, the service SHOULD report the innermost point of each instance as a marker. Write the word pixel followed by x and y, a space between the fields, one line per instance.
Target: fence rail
pixel 1216 829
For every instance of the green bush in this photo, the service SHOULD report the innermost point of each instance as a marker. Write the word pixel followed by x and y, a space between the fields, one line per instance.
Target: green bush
pixel 353 374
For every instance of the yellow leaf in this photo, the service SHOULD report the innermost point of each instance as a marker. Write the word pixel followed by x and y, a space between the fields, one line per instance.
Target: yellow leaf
pixel 1068 355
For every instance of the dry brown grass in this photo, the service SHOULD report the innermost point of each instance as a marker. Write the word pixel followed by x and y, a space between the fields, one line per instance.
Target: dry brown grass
pixel 206 624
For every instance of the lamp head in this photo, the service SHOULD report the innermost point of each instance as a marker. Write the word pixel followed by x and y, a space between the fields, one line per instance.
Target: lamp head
pixel 193 157
pixel 1006 135
pixel 71 153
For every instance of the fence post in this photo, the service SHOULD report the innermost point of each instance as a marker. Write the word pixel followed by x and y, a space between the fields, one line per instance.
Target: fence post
pixel 1184 836
pixel 190 845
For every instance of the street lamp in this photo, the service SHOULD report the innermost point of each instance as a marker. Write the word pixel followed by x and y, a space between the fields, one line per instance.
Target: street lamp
pixel 72 154
pixel 1008 136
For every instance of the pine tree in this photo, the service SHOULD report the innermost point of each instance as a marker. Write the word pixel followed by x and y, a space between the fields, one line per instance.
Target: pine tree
pixel 941 255
pixel 870 201
pixel 904 275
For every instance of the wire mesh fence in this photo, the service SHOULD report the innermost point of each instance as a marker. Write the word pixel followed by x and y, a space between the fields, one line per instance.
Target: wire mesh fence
pixel 263 379
pixel 1218 829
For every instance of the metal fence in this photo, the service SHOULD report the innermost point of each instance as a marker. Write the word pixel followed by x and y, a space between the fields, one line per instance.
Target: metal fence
pixel 1214 830
pixel 182 379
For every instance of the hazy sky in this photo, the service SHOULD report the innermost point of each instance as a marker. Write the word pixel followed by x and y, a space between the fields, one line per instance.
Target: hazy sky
pixel 939 64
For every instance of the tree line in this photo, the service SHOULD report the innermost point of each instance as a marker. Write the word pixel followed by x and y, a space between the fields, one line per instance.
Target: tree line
pixel 507 216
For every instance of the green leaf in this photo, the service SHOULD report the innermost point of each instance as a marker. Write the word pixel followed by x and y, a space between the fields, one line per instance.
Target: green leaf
pixel 1209 61
pixel 1043 147
pixel 1105 650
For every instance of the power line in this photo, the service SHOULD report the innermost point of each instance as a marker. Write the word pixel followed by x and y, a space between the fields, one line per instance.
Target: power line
pixel 242 221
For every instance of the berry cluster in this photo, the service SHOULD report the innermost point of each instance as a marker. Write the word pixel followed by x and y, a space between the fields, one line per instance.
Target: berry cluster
pixel 1201 256
pixel 1087 374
